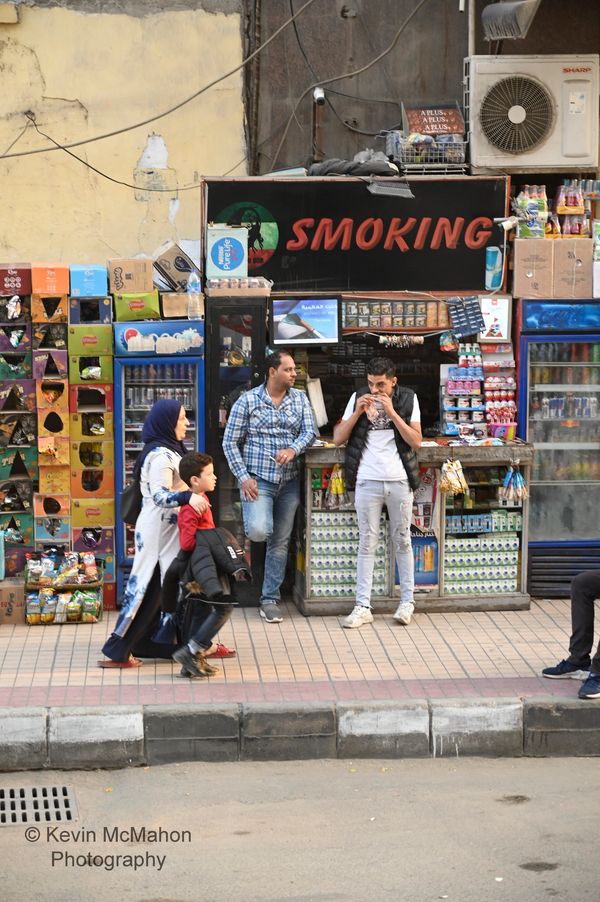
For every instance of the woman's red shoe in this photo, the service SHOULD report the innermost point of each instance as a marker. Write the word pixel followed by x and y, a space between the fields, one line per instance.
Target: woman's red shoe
pixel 221 651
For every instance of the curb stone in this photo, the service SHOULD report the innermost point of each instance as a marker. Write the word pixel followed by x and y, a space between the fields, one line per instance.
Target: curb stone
pixel 111 737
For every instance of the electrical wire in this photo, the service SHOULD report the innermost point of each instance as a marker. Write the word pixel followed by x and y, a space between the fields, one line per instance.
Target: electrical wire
pixel 203 90
pixel 351 74
pixel 31 118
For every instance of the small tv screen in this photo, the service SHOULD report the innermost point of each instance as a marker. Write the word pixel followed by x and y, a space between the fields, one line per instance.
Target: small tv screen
pixel 305 321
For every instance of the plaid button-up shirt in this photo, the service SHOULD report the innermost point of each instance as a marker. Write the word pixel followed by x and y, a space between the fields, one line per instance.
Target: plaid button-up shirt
pixel 257 429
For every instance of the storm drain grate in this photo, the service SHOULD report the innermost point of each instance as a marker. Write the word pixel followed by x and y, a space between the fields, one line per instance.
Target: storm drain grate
pixel 37 805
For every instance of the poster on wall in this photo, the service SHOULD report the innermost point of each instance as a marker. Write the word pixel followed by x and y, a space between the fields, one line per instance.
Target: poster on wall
pixel 495 310
pixel 333 235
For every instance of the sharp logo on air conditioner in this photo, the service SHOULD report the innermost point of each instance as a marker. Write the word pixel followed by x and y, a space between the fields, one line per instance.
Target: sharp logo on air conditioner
pixel 577 68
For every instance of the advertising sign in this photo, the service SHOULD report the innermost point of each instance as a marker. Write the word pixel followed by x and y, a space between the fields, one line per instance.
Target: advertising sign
pixel 334 235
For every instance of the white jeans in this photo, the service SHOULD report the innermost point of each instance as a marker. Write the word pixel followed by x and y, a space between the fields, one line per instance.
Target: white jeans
pixel 370 498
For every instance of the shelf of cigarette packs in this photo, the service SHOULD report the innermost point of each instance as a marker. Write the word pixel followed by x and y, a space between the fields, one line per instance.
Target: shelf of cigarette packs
pixel 332 545
pixel 463 406
pixel 482 537
pixel 63 587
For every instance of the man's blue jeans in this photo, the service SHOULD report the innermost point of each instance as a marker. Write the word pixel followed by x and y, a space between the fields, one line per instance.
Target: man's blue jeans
pixel 370 497
pixel 270 519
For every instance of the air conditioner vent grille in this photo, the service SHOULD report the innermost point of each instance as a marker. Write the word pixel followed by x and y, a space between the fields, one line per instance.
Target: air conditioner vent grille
pixel 516 114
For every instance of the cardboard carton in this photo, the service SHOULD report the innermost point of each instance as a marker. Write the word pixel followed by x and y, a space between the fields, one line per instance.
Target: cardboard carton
pixel 132 306
pixel 15 278
pixel 18 463
pixel 91 483
pixel 89 513
pixel 90 339
pixel 97 426
pixel 15 337
pixel 49 308
pixel 52 394
pixel 130 274
pixel 51 505
pixel 49 278
pixel 97 539
pixel 16 366
pixel 12 601
pixel 53 423
pixel 50 364
pixel 573 268
pixel 533 267
pixel 90 310
pixel 174 304
pixel 52 529
pixel 55 480
pixel 89 370
pixel 89 453
pixel 15 311
pixel 88 281
pixel 174 265
pixel 49 336
pixel 53 452
pixel 90 398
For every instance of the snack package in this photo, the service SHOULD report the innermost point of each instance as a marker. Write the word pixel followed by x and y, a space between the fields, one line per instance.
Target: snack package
pixel 89 605
pixel 33 610
pixel 49 610
pixel 68 570
pixel 90 568
pixel 47 570
pixel 73 610
pixel 62 602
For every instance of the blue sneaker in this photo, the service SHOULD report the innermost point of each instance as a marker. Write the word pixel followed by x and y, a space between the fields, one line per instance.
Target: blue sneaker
pixel 565 671
pixel 591 687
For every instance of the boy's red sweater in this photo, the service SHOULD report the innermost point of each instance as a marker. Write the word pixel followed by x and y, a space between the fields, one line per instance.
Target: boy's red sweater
pixel 189 522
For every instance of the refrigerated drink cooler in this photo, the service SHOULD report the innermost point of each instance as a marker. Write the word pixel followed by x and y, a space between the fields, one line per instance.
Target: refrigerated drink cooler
pixel 559 414
pixel 139 382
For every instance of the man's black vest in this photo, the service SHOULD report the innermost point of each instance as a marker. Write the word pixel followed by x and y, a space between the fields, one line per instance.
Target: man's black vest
pixel 402 399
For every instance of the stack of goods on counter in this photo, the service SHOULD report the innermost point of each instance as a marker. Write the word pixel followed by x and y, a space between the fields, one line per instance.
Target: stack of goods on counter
pixel 554 269
pixel 463 405
pixel 499 388
pixel 18 454
pixel 334 547
pixel 91 454
pixel 63 587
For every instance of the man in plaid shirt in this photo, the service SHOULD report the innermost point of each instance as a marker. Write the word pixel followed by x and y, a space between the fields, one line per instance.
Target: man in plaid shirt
pixel 268 428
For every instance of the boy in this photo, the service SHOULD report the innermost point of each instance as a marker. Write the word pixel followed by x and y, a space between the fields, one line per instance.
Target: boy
pixel 197 471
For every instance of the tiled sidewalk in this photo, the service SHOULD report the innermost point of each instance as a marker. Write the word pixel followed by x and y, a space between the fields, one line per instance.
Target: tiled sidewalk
pixel 497 654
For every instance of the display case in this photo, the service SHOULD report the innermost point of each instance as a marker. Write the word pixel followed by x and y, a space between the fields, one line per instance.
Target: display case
pixel 235 355
pixel 560 397
pixel 468 555
pixel 139 382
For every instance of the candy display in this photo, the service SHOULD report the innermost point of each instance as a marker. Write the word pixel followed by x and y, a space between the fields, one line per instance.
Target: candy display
pixel 63 587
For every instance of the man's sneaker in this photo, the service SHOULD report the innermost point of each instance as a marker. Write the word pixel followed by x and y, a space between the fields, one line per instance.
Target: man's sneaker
pixel 404 613
pixel 591 687
pixel 188 663
pixel 358 617
pixel 565 671
pixel 271 613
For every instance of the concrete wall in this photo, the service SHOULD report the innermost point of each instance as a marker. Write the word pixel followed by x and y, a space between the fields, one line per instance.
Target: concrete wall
pixel 88 68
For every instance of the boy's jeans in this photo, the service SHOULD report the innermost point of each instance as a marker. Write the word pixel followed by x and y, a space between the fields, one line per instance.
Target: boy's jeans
pixel 271 518
pixel 370 497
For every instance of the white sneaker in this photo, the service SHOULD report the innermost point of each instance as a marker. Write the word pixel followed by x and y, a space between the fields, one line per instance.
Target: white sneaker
pixel 358 617
pixel 404 613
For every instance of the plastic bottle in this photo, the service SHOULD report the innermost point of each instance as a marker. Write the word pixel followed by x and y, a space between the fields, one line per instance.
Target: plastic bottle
pixel 194 307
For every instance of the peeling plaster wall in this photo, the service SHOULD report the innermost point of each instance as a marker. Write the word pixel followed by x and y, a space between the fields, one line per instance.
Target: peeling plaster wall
pixel 83 75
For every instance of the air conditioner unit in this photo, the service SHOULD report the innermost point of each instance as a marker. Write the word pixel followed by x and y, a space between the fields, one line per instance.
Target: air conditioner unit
pixel 532 113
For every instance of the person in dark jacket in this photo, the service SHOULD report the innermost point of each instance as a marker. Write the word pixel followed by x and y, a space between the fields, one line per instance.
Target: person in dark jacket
pixel 382 428
pixel 197 471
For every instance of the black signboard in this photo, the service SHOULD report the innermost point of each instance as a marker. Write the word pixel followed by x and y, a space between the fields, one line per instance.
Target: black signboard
pixel 334 235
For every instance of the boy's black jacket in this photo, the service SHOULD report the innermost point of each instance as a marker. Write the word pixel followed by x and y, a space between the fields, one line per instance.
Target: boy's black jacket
pixel 217 554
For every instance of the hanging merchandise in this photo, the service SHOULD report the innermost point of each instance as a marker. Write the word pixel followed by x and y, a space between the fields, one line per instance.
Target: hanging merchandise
pixel 336 496
pixel 452 481
pixel 514 488
pixel 401 341
pixel 448 342
pixel 465 316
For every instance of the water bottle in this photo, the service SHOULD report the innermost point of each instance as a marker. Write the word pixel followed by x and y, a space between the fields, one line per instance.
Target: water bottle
pixel 194 307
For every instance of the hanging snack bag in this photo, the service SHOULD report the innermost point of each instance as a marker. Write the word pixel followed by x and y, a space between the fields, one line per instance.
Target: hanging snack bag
pixel 33 609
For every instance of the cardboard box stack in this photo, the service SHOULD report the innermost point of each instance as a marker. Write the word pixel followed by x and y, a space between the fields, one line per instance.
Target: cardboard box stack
pixel 49 308
pixel 91 422
pixel 18 453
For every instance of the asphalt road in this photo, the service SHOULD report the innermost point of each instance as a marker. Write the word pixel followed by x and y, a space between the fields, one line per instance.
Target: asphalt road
pixel 469 830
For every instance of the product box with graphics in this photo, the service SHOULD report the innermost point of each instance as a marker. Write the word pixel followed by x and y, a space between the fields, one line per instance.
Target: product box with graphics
pixel 90 398
pixel 47 336
pixel 132 306
pixel 18 429
pixel 17 397
pixel 55 480
pixel 97 539
pixel 50 364
pixel 52 394
pixel 226 251
pixel 130 274
pixel 89 513
pixel 86 370
pixel 88 453
pixel 52 423
pixel 49 278
pixel 92 339
pixel 99 426
pixel 88 281
pixel 18 528
pixel 15 278
pixel 15 309
pixel 90 310
pixel 18 462
pixel 15 337
pixel 147 339
pixel 53 451
pixel 174 266
pixel 92 483
pixel 16 366
pixel 49 308
pixel 52 529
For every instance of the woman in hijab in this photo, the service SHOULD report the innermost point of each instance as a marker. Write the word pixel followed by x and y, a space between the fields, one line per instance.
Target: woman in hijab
pixel 156 534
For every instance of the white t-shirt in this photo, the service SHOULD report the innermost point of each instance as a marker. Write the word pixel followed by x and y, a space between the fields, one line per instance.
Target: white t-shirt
pixel 380 458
